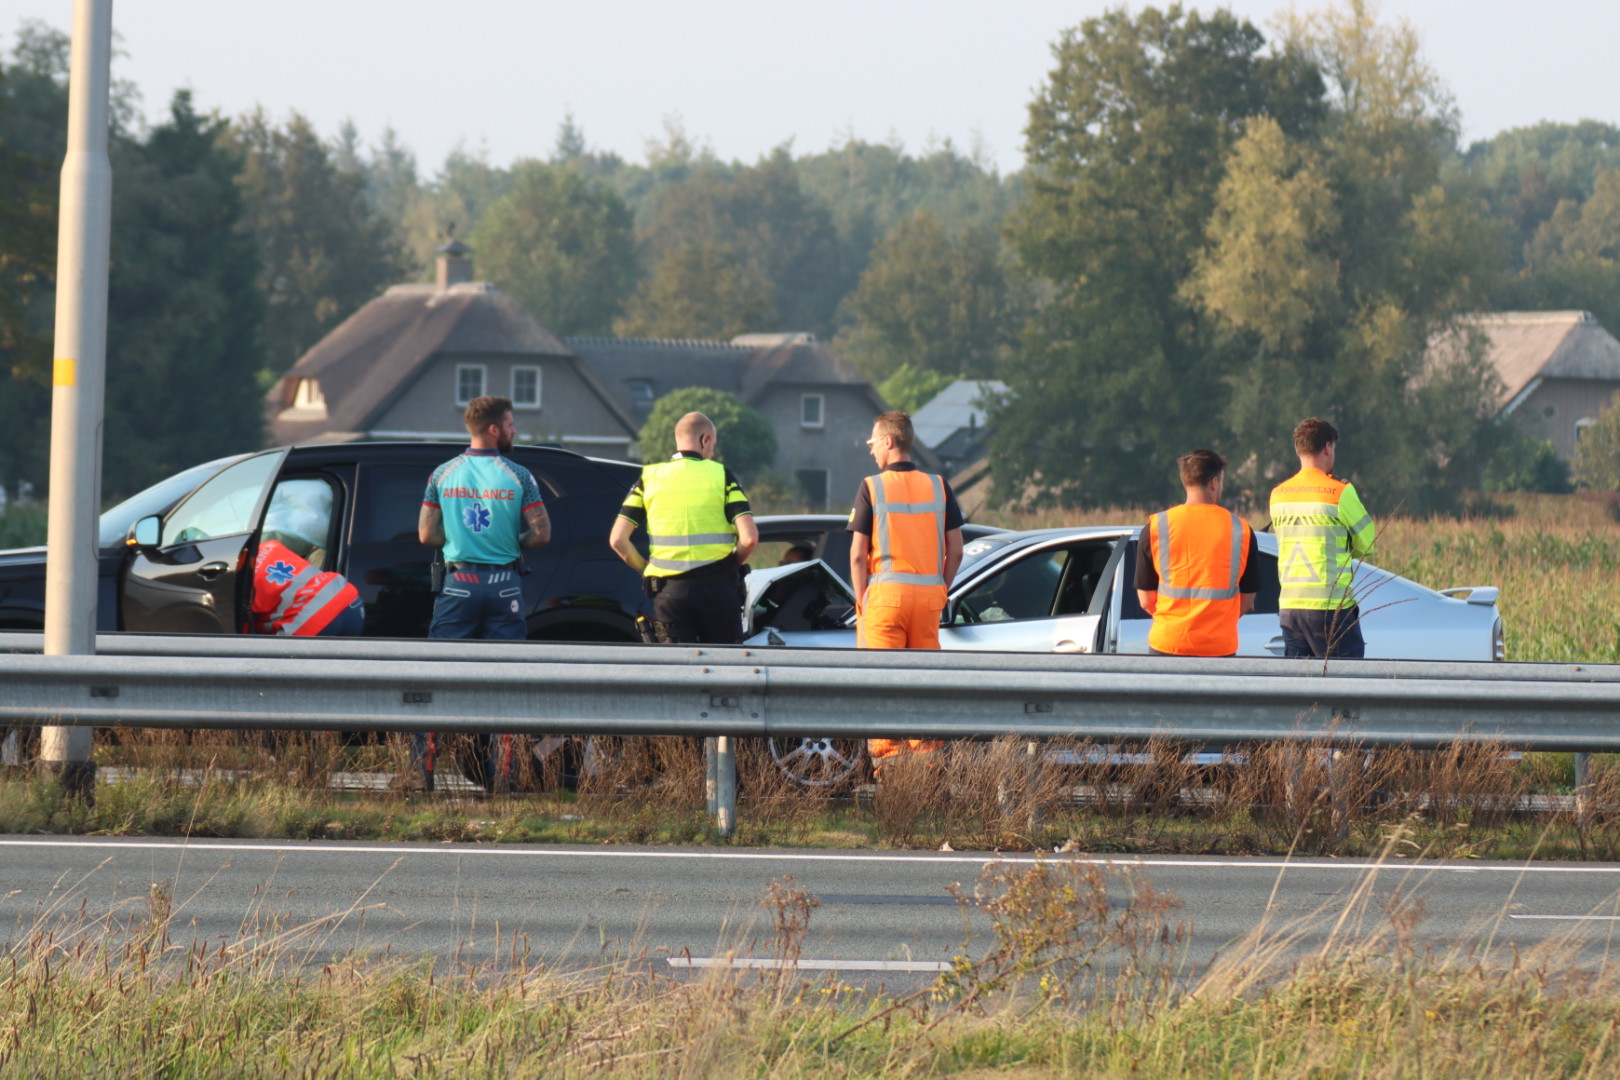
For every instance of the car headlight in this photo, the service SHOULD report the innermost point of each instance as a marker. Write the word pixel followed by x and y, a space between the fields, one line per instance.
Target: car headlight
pixel 1498 645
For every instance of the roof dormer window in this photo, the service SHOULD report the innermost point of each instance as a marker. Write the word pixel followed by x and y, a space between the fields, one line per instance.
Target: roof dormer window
pixel 309 395
pixel 308 402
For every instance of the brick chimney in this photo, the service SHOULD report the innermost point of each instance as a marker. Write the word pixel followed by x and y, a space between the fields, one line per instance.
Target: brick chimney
pixel 454 265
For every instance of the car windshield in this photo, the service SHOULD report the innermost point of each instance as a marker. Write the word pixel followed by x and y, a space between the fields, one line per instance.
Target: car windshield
pixel 976 551
pixel 156 499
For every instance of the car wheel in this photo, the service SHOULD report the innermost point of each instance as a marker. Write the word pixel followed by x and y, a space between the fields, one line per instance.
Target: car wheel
pixel 816 762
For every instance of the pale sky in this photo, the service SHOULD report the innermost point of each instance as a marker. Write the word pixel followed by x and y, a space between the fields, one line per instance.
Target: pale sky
pixel 497 76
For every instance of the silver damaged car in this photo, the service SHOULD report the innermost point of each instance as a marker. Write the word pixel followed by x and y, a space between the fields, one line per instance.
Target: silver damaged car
pixel 1072 590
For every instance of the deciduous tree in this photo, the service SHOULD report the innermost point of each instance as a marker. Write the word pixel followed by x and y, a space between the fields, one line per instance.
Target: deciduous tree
pixel 1127 141
pixel 761 218
pixel 1597 455
pixel 1334 259
pixel 561 244
pixel 698 291
pixel 745 439
pixel 931 300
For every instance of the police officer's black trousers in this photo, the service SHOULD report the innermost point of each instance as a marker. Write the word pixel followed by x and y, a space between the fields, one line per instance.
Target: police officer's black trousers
pixel 704 611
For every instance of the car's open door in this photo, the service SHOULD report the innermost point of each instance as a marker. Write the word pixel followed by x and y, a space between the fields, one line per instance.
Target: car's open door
pixel 1090 632
pixel 191 577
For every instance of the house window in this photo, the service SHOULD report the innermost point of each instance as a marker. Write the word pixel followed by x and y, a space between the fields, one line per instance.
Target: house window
pixel 469 382
pixel 813 483
pixel 641 391
pixel 526 387
pixel 1581 425
pixel 812 410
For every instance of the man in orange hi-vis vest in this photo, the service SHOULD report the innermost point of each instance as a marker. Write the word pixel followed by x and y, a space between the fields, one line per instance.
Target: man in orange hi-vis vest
pixel 906 546
pixel 1197 566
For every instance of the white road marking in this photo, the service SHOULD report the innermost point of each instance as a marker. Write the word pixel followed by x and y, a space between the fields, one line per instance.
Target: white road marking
pixel 1233 863
pixel 690 962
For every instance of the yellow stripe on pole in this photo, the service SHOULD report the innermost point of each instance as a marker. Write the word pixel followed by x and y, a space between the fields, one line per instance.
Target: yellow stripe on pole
pixel 66 372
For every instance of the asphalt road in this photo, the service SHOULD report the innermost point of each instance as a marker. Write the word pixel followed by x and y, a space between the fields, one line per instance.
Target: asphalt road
pixel 879 911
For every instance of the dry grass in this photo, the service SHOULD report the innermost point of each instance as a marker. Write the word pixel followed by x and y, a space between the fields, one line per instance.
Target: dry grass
pixel 1079 970
pixel 1467 800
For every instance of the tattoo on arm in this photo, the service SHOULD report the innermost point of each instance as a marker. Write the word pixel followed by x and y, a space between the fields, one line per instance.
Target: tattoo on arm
pixel 539 523
pixel 430 526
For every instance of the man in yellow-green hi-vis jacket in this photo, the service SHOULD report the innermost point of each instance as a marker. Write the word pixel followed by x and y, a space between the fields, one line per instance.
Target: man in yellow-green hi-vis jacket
pixel 700 533
pixel 1322 532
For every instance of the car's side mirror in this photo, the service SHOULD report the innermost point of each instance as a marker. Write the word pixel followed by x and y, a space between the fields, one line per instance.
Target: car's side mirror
pixel 146 532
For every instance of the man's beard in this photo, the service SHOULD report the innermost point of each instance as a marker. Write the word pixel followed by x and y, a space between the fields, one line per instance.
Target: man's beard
pixel 503 443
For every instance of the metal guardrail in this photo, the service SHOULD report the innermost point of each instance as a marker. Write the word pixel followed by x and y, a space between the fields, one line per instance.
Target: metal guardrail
pixel 763 692
pixel 417 649
pixel 246 683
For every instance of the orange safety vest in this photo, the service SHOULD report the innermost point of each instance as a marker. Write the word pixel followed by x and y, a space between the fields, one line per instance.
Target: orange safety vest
pixel 291 597
pixel 908 528
pixel 883 749
pixel 1200 552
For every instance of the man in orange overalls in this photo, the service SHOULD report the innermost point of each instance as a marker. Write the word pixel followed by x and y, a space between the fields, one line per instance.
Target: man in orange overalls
pixel 903 556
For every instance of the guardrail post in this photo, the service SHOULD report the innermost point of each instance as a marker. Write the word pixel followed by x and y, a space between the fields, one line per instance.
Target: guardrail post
pixel 1034 761
pixel 1583 787
pixel 725 788
pixel 1342 768
pixel 711 778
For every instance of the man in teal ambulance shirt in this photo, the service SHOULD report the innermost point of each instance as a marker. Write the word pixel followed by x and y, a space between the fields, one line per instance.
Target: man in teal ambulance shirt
pixel 482 508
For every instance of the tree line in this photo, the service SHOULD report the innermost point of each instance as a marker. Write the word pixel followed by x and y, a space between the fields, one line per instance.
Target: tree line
pixel 1235 233
pixel 1214 235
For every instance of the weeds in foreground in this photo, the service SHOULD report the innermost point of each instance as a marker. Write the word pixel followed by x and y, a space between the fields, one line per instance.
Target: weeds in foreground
pixel 1071 968
pixel 1468 800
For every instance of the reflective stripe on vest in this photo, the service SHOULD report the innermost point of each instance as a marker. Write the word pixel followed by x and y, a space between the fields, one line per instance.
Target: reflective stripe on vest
pixel 1198 611
pixel 1162 524
pixel 1315 567
pixel 905 504
pixel 686 515
pixel 296 611
pixel 316 604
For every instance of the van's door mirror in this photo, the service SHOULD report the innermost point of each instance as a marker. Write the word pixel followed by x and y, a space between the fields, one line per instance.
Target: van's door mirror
pixel 145 532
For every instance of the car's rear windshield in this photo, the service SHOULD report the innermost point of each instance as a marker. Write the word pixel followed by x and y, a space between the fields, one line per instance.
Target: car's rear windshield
pixel 156 499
